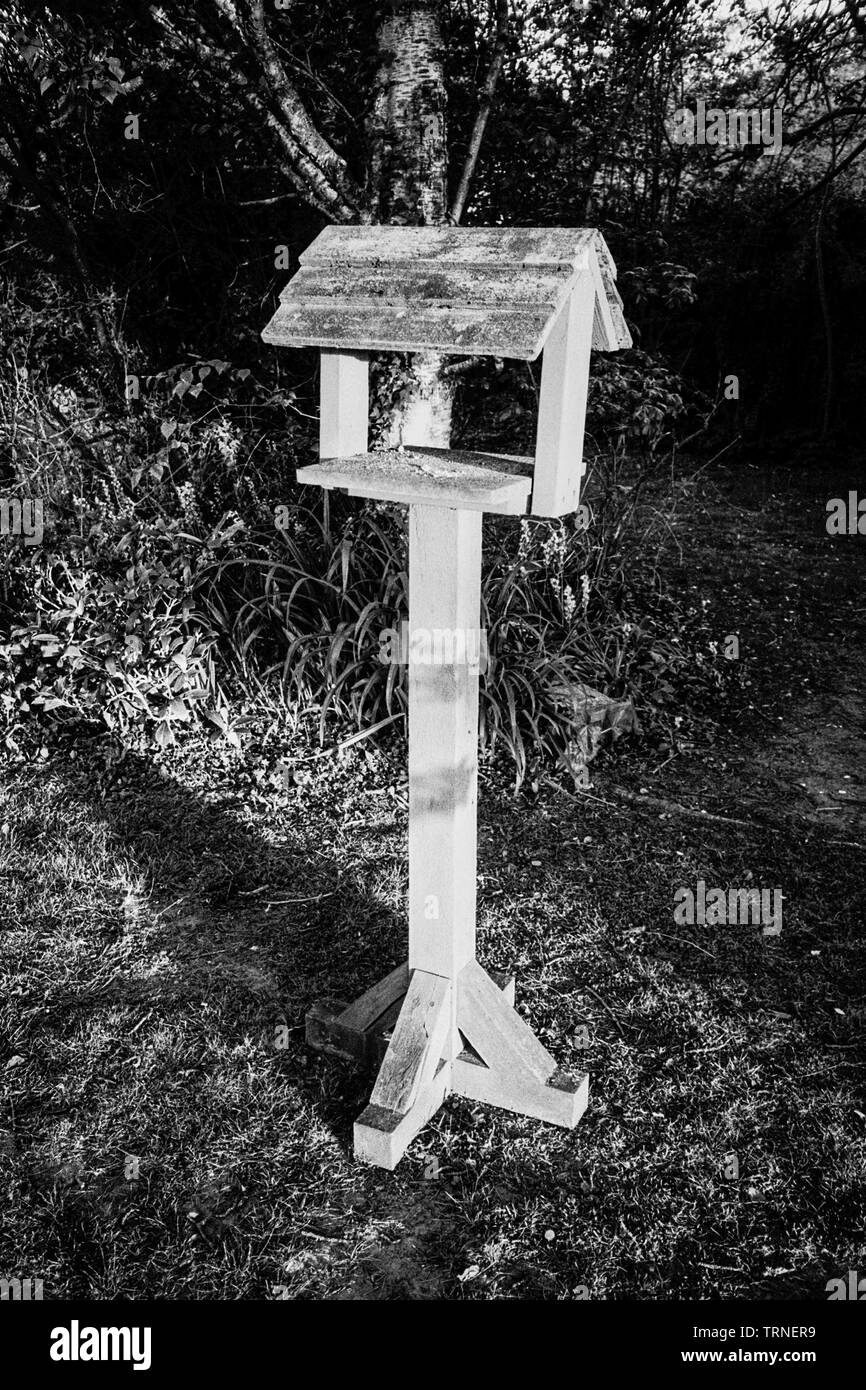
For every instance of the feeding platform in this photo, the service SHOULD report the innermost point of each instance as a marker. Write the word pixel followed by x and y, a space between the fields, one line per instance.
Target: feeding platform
pixel 439 1023
pixel 440 477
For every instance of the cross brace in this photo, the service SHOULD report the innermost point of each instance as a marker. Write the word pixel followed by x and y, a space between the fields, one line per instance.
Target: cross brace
pixel 404 1021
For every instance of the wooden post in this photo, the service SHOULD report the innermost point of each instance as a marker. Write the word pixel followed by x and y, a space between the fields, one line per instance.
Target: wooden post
pixel 444 598
pixel 562 405
pixel 344 397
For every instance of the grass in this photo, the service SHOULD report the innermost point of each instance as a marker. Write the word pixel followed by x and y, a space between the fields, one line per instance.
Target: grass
pixel 165 915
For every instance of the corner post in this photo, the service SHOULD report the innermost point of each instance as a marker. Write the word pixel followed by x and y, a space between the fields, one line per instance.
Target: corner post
pixel 562 404
pixel 344 394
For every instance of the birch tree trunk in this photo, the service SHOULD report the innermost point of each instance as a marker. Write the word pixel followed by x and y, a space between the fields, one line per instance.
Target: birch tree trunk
pixel 409 180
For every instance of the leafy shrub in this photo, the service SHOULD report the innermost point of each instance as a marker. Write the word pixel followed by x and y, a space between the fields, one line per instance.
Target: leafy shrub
pixel 101 620
pixel 175 583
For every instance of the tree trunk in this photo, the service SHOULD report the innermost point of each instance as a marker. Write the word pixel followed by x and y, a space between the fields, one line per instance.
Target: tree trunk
pixel 409 181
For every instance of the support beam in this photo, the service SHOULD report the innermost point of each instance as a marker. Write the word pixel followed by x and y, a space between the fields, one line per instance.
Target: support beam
pixel 369 1007
pixel 412 1059
pixel 344 395
pixel 382 1136
pixel 444 598
pixel 559 463
pixel 515 1070
pixel 413 1078
pixel 361 1032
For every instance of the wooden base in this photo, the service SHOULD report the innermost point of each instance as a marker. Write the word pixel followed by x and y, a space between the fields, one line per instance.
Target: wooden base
pixel 404 1021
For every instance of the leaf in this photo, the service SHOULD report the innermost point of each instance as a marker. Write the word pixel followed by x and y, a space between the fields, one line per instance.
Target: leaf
pixel 167 428
pixel 164 735
pixel 45 84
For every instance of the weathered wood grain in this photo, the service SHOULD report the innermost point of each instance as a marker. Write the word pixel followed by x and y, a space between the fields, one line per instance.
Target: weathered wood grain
pixel 479 245
pixel 610 333
pixel 437 477
pixel 486 291
pixel 415 1049
pixel 382 1135
pixel 369 1007
pixel 533 289
pixel 411 327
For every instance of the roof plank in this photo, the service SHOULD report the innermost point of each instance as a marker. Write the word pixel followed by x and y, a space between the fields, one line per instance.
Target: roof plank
pixel 482 291
pixel 492 246
pixel 458 286
pixel 409 328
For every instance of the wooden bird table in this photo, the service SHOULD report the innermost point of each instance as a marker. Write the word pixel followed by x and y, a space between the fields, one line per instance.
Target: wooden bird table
pixel 440 1023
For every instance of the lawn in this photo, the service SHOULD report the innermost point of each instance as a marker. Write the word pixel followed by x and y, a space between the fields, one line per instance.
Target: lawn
pixel 169 916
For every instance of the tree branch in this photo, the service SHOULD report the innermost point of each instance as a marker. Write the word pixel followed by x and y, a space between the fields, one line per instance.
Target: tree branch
pixel 485 102
pixel 828 178
pixel 308 139
pixel 298 166
pixel 858 21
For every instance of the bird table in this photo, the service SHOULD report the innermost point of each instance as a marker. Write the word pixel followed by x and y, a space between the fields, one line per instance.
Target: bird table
pixel 440 1023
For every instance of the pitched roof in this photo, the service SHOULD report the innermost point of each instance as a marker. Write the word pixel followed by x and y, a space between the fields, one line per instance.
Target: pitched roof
pixel 490 291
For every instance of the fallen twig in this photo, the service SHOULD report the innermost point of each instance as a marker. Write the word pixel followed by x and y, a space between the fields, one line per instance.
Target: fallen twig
pixel 676 807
